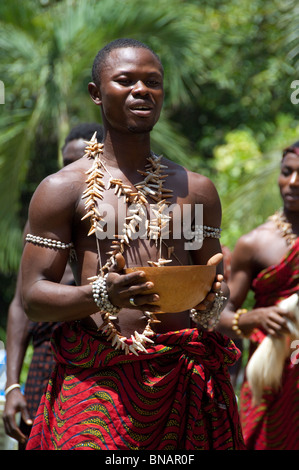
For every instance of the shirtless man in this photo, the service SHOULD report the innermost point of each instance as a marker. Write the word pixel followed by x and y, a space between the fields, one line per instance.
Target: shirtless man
pixel 266 261
pixel 128 87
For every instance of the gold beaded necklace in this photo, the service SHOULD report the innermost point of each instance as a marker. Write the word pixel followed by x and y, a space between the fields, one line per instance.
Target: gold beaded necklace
pixel 284 227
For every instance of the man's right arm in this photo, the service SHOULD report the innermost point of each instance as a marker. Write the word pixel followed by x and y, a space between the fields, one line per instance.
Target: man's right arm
pixel 51 214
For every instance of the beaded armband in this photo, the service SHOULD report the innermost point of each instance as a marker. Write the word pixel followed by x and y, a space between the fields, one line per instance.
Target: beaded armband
pixel 204 231
pixel 48 242
pixel 100 296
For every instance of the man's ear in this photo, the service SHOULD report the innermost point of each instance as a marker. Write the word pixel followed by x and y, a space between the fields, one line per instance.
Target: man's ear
pixel 95 93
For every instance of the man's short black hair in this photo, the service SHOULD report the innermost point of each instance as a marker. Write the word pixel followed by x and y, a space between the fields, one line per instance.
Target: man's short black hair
pixel 291 149
pixel 85 131
pixel 116 44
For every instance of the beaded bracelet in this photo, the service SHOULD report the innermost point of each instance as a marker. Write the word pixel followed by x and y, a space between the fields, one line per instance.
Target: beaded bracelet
pixel 209 318
pixel 47 242
pixel 235 323
pixel 100 296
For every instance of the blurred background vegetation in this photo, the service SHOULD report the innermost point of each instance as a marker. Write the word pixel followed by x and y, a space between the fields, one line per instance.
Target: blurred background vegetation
pixel 229 67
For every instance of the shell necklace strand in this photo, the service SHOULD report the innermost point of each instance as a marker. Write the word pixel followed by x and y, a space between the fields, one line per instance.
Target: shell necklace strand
pixel 284 227
pixel 151 186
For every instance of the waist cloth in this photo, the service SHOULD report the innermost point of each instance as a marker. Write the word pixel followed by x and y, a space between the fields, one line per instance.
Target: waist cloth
pixel 178 395
pixel 41 364
pixel 274 424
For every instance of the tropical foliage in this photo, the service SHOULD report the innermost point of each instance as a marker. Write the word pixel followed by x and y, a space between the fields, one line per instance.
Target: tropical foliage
pixel 228 65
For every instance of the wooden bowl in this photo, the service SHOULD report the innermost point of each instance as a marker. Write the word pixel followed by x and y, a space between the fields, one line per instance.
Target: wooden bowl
pixel 180 287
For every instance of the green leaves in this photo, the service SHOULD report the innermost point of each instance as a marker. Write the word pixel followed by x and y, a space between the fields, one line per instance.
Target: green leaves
pixel 46 65
pixel 228 68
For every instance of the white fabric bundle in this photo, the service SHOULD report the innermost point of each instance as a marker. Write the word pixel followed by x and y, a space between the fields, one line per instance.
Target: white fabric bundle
pixel 266 365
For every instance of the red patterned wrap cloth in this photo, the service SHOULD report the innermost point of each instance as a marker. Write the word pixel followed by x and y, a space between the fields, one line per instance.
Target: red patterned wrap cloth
pixel 274 423
pixel 178 395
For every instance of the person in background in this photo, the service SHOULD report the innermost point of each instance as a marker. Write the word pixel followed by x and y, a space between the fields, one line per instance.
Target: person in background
pixel 20 331
pixel 266 261
pixel 236 368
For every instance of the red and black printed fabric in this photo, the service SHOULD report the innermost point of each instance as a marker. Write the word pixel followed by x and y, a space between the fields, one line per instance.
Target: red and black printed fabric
pixel 274 424
pixel 176 396
pixel 41 365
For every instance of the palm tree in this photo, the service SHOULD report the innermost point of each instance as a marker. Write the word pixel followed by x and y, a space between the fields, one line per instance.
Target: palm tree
pixel 45 62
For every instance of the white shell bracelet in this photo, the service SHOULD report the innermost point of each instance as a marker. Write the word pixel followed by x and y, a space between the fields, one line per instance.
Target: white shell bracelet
pixel 100 296
pixel 11 387
pixel 209 318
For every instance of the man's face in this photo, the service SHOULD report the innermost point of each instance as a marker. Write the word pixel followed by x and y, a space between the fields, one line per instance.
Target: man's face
pixel 289 181
pixel 131 90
